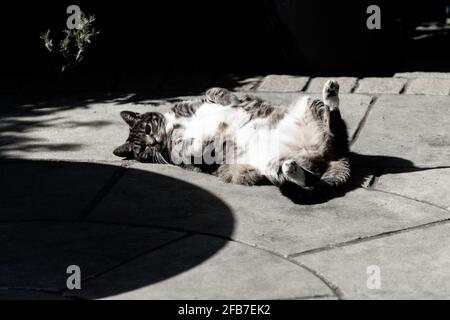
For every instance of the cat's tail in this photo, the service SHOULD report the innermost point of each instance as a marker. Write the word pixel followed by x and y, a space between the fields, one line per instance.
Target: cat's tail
pixel 337 173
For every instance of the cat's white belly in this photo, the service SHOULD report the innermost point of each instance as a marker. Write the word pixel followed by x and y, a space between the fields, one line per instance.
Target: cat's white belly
pixel 209 117
pixel 262 144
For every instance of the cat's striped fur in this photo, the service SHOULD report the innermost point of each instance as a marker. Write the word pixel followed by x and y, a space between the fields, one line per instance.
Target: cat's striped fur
pixel 250 140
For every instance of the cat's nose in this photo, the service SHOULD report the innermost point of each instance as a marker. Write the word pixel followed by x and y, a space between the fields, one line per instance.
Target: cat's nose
pixel 151 140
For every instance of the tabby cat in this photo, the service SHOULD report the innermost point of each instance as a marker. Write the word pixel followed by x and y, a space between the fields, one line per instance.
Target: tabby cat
pixel 246 140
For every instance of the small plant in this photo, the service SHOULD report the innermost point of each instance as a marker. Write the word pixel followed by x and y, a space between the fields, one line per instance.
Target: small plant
pixel 71 49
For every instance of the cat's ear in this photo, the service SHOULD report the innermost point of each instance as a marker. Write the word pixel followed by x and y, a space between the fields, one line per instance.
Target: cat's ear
pixel 129 117
pixel 124 150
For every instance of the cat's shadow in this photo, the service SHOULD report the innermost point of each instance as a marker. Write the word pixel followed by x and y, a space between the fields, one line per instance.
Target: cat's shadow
pixel 365 170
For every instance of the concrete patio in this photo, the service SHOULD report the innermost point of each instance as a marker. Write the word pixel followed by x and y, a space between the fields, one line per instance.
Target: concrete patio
pixel 148 231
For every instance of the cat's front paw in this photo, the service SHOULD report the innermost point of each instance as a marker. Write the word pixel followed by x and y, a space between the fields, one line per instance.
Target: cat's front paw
pixel 221 96
pixel 293 172
pixel 248 176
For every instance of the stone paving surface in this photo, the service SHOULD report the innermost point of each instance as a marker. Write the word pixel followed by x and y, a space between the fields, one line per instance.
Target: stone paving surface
pixel 381 85
pixel 236 272
pixel 429 186
pixel 147 231
pixel 286 83
pixel 428 86
pixel 262 216
pixel 414 128
pixel 432 75
pixel 411 265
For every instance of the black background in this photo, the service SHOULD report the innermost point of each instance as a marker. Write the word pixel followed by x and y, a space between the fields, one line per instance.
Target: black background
pixel 221 35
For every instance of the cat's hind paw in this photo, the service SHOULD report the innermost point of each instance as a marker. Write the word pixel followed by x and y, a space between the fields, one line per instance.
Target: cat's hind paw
pixel 330 94
pixel 331 88
pixel 293 172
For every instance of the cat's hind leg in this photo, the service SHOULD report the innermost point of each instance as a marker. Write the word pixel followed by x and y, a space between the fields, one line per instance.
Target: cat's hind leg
pixel 321 113
pixel 330 94
pixel 331 99
pixel 239 174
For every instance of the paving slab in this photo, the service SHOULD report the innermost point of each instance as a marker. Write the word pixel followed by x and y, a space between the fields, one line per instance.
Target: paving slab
pixel 438 75
pixel 236 272
pixel 407 131
pixel 40 190
pixel 412 265
pixel 381 85
pixel 283 83
pixel 346 84
pixel 428 86
pixel 261 215
pixel 428 185
pixel 37 255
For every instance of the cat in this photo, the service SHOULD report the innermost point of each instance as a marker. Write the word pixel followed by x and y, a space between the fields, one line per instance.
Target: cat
pixel 246 140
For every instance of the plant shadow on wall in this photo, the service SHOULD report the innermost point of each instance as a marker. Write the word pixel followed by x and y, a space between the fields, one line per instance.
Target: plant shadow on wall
pixel 137 225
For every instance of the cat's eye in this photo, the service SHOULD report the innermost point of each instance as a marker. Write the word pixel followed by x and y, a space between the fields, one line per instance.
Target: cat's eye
pixel 147 129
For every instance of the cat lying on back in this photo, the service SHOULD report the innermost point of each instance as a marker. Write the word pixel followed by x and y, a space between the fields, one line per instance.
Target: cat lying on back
pixel 247 140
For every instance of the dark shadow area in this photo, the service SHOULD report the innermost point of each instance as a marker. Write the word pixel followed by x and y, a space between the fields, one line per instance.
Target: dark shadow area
pixel 43 228
pixel 428 50
pixel 365 168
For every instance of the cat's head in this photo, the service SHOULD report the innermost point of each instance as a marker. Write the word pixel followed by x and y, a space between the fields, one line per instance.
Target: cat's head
pixel 147 140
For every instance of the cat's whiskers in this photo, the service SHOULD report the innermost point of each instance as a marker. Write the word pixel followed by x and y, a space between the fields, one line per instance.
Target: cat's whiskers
pixel 161 159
